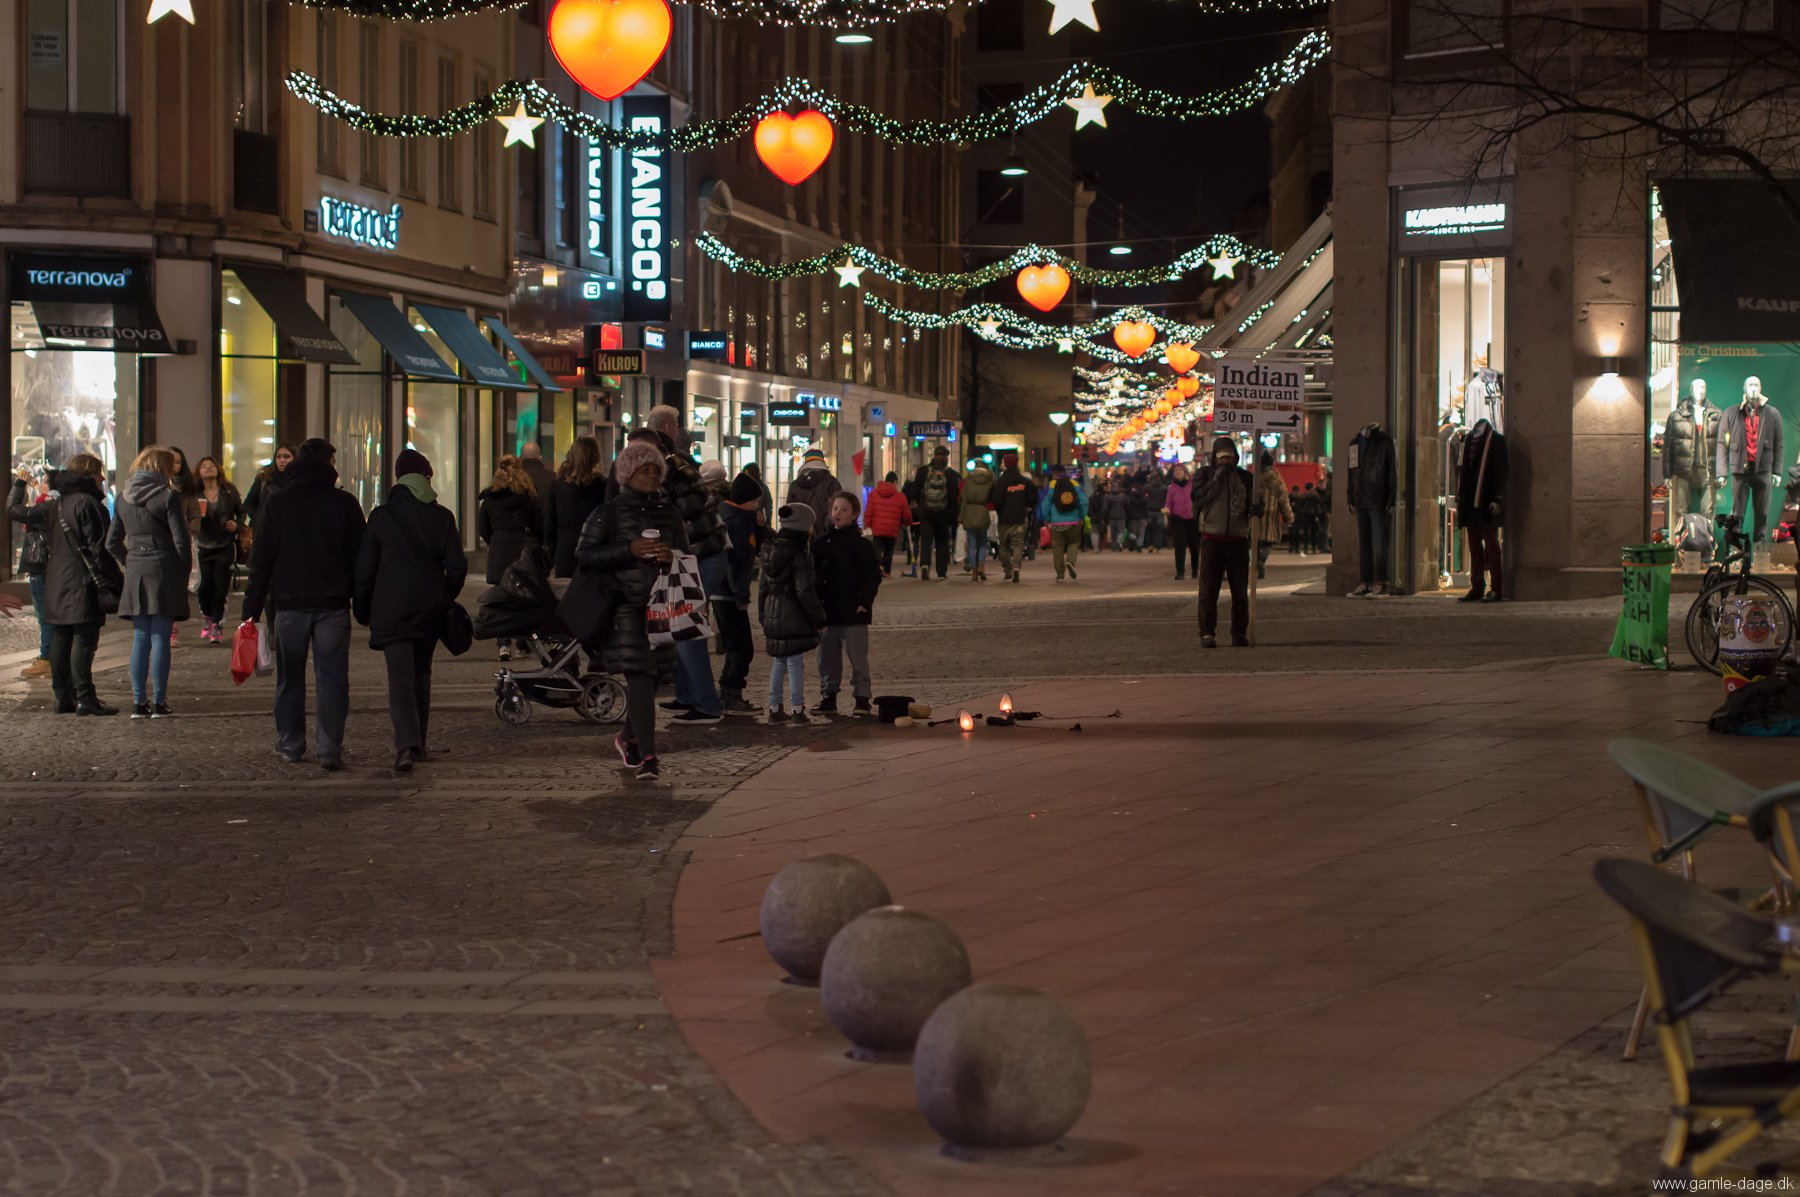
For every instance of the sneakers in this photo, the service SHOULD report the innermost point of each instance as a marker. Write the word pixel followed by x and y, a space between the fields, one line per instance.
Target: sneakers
pixel 696 715
pixel 776 715
pixel 1071 573
pixel 863 709
pixel 506 654
pixel 1240 642
pixel 1492 596
pixel 1209 642
pixel 95 708
pixel 37 668
pixel 827 705
pixel 677 707
pixel 737 706
pixel 140 710
pixel 160 710
pixel 628 751
pixel 649 770
pixel 1362 591
pixel 1015 576
pixel 1473 596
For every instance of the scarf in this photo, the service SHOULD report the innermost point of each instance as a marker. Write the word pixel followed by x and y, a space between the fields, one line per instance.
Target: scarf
pixel 419 485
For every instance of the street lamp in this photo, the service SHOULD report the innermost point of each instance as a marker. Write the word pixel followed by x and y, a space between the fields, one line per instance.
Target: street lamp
pixel 1059 418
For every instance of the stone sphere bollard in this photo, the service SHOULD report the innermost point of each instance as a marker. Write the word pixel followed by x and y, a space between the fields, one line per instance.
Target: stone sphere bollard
pixel 1002 1066
pixel 809 902
pixel 885 973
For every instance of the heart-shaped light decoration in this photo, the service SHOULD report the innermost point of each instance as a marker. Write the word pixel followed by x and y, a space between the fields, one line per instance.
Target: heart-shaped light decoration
pixel 794 146
pixel 1043 286
pixel 1182 357
pixel 1134 336
pixel 1189 386
pixel 607 46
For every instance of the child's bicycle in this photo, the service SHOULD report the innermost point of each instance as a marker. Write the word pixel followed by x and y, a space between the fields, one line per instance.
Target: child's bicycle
pixel 1706 617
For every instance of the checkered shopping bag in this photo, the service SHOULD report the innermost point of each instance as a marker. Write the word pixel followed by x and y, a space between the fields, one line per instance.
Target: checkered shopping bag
pixel 678 609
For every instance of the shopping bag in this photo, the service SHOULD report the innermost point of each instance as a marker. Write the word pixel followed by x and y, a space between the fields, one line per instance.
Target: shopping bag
pixel 1043 536
pixel 265 655
pixel 244 650
pixel 677 609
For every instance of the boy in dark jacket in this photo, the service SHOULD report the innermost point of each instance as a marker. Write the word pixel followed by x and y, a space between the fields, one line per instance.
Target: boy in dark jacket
pixel 849 573
pixel 789 608
pixel 731 601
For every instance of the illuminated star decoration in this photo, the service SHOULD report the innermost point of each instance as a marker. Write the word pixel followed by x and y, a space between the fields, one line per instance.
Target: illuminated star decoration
pixel 1088 108
pixel 989 327
pixel 520 127
pixel 162 8
pixel 849 274
pixel 1225 265
pixel 1066 11
pixel 1065 345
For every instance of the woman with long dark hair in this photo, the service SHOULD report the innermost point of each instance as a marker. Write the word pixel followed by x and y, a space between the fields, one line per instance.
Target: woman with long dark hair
pixel 269 479
pixel 221 510
pixel 507 517
pixel 580 487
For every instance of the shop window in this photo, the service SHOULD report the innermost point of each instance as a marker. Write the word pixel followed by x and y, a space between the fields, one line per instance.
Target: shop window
pixel 368 69
pixel 434 423
pixel 66 402
pixel 251 69
pixel 329 127
pixel 412 149
pixel 998 199
pixel 1430 27
pixel 247 369
pixel 354 403
pixel 73 55
pixel 449 180
pixel 485 134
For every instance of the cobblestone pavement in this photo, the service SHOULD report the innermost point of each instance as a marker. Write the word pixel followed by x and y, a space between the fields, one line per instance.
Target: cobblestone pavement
pixel 220 974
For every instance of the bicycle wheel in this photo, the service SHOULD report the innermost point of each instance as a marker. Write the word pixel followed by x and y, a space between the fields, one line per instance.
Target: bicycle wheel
pixel 1706 615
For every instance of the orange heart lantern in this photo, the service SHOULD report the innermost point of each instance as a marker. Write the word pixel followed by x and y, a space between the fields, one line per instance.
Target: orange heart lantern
pixel 1043 286
pixel 608 45
pixel 1189 387
pixel 1171 397
pixel 1134 336
pixel 1182 357
pixel 794 146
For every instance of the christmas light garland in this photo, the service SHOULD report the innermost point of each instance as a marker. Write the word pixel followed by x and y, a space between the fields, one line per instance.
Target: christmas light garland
pixel 1196 258
pixel 829 13
pixel 856 118
pixel 415 10
pixel 1002 326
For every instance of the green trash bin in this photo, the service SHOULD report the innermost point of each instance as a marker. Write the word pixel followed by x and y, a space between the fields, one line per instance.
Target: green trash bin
pixel 1643 632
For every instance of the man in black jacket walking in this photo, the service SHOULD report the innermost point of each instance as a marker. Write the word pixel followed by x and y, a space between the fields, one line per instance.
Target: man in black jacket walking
pixel 937 503
pixel 1015 500
pixel 304 559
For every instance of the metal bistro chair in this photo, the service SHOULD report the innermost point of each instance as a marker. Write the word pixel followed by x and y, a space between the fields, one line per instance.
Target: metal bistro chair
pixel 1772 821
pixel 1693 945
pixel 1684 801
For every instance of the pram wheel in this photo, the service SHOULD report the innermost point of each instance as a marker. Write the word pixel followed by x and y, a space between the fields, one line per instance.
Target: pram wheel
pixel 512 706
pixel 602 699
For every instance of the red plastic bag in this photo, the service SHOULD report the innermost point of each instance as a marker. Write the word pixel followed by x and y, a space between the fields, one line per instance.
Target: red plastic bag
pixel 1043 536
pixel 243 651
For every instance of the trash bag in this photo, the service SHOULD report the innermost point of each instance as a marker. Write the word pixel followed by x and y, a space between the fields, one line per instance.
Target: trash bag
pixel 243 651
pixel 1769 706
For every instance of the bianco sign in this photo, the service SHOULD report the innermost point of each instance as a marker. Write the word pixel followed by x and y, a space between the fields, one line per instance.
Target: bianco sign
pixel 1252 395
pixel 365 226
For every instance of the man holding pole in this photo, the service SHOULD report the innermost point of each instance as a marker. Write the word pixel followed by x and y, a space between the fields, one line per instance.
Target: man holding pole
pixel 1225 506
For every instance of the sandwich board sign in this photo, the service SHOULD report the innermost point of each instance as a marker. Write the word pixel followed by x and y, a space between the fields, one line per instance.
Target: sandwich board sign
pixel 1254 395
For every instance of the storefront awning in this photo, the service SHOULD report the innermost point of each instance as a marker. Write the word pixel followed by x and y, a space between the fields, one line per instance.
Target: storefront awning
pixel 402 342
pixel 93 303
pixel 304 337
pixel 1737 258
pixel 477 355
pixel 537 374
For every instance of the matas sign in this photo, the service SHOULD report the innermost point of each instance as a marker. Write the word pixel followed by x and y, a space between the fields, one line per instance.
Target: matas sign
pixel 1250 395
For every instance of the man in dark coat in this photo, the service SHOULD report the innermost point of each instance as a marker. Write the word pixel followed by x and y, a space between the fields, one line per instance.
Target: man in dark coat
pixel 731 604
pixel 848 573
pixel 937 503
pixel 531 460
pixel 304 559
pixel 410 566
pixel 1015 502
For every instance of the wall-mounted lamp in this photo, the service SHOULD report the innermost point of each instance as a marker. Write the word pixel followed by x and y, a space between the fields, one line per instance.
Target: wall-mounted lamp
pixel 1609 367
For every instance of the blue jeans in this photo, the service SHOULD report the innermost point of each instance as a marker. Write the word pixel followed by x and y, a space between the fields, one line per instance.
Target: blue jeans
pixel 1153 530
pixel 978 547
pixel 795 669
pixel 693 677
pixel 327 633
pixel 150 657
pixel 37 609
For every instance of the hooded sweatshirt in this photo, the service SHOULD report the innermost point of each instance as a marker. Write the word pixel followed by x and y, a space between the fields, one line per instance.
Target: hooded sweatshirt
pixel 1015 497
pixel 977 498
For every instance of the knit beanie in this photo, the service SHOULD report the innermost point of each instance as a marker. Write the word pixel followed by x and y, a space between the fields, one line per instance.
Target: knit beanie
pixel 812 456
pixel 411 461
pixel 1224 443
pixel 796 517
pixel 1010 461
pixel 635 456
pixel 314 451
pixel 744 489
pixel 712 471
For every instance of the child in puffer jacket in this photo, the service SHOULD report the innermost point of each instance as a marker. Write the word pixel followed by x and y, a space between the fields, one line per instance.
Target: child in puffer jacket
pixel 788 607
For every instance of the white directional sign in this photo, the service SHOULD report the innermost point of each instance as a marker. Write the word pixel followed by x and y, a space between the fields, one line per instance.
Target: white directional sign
pixel 1251 395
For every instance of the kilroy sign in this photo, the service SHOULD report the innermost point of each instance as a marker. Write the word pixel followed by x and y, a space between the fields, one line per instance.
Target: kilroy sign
pixel 1252 395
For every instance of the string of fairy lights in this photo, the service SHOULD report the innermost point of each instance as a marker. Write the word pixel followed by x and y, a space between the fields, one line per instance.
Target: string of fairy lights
pixel 1000 325
pixel 1036 105
pixel 829 14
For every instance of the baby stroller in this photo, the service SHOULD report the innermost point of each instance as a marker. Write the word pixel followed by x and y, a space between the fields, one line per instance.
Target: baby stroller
pixel 523 605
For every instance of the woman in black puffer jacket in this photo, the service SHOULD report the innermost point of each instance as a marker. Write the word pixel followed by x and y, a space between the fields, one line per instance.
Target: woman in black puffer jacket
pixel 579 488
pixel 508 517
pixel 615 542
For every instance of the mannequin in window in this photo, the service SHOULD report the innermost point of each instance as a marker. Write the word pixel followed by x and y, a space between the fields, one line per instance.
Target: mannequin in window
pixel 1689 441
pixel 1750 455
pixel 1374 485
pixel 1481 507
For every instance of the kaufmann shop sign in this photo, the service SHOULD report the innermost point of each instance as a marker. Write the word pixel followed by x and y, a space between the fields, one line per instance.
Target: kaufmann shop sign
pixel 1453 219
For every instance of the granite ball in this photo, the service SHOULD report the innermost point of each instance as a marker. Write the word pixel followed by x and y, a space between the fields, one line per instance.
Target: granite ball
pixel 885 973
pixel 810 901
pixel 1002 1066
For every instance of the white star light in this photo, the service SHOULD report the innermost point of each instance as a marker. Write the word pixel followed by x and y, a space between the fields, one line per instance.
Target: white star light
pixel 990 328
pixel 1088 107
pixel 1065 11
pixel 1065 344
pixel 1225 265
pixel 849 274
pixel 520 127
pixel 162 8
